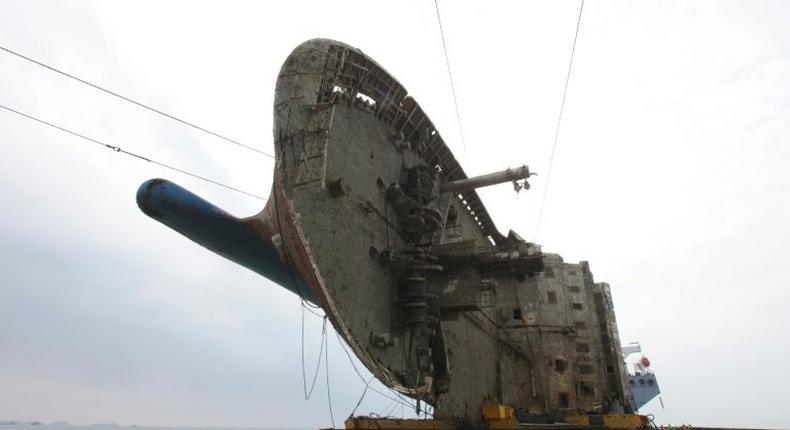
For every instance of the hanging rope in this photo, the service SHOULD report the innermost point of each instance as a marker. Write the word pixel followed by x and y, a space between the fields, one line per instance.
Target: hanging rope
pixel 309 393
pixel 328 387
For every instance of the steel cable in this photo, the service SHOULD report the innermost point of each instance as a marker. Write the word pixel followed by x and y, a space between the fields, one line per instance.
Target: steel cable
pixel 559 122
pixel 131 154
pixel 135 102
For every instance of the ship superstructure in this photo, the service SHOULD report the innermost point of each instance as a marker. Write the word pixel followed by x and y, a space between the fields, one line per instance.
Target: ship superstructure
pixel 372 218
pixel 642 381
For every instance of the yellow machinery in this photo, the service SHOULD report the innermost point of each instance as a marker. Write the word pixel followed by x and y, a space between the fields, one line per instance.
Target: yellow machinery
pixel 499 417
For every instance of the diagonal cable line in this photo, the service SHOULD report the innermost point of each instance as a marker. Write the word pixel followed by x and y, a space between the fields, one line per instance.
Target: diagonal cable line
pixel 559 122
pixel 452 84
pixel 131 154
pixel 135 102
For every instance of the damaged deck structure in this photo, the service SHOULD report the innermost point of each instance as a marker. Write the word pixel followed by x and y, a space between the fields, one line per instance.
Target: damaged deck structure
pixel 372 218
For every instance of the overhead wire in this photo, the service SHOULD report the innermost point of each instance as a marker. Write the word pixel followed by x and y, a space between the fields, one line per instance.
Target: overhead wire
pixel 131 154
pixel 133 101
pixel 559 122
pixel 452 83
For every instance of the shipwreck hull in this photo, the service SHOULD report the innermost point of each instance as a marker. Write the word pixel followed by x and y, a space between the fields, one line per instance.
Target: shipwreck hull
pixel 372 218
pixel 323 140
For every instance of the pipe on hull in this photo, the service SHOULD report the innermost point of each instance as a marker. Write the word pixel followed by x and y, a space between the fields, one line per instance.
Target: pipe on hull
pixel 469 184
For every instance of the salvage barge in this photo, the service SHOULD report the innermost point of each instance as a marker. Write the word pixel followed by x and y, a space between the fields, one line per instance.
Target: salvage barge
pixel 373 219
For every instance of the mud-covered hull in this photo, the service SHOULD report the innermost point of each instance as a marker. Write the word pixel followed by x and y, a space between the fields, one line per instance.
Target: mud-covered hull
pixel 370 218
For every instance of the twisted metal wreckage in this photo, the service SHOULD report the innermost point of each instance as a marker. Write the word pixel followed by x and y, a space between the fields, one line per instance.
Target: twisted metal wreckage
pixel 372 218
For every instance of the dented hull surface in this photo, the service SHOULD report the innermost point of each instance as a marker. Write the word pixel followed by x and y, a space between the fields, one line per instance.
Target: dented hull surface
pixel 371 217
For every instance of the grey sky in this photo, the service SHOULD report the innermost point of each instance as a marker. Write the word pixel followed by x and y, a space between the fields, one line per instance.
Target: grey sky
pixel 670 177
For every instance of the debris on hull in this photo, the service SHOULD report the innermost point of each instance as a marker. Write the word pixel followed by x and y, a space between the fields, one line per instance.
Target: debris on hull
pixel 375 221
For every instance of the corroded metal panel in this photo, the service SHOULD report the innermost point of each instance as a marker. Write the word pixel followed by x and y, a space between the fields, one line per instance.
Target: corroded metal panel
pixel 375 221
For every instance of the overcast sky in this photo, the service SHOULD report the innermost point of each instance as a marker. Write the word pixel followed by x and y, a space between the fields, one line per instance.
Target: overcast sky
pixel 670 178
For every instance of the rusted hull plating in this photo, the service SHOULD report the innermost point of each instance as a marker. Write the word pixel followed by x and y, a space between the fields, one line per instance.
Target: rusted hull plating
pixel 372 218
pixel 343 128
